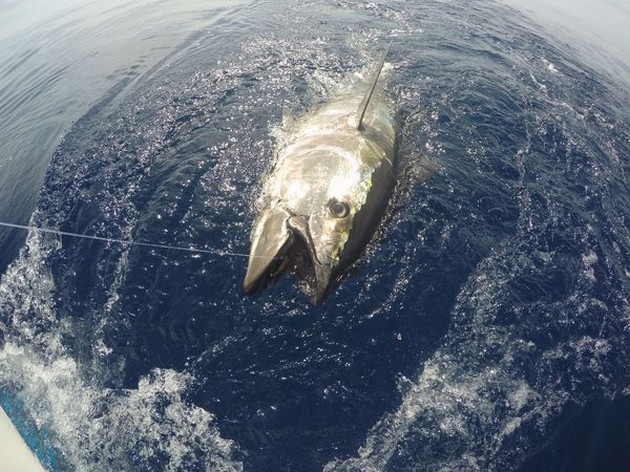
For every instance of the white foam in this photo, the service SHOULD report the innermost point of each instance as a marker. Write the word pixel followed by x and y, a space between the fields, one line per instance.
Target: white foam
pixel 550 66
pixel 590 260
pixel 93 427
pixel 474 407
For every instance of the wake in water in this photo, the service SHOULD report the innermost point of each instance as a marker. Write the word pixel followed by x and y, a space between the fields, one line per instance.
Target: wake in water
pixel 89 425
pixel 541 323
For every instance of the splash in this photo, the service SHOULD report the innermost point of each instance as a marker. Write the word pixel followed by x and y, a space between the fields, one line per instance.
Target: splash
pixel 94 427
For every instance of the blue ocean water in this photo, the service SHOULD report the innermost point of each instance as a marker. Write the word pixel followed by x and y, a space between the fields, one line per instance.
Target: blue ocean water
pixel 486 326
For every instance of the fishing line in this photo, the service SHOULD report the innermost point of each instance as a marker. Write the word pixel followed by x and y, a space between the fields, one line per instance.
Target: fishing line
pixel 216 252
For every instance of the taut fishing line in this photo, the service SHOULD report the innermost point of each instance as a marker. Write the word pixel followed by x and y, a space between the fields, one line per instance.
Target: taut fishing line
pixel 216 252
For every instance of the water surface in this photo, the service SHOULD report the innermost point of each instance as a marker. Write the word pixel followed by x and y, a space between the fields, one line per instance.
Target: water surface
pixel 490 312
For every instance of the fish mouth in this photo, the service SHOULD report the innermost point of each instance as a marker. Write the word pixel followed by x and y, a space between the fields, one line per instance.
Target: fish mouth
pixel 323 272
pixel 278 239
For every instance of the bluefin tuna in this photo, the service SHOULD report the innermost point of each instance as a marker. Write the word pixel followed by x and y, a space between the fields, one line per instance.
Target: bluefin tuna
pixel 327 192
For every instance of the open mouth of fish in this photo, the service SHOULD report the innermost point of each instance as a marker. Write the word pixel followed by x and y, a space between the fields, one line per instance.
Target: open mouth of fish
pixel 289 248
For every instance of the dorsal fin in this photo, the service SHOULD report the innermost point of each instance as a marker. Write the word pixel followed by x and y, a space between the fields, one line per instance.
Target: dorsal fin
pixel 368 95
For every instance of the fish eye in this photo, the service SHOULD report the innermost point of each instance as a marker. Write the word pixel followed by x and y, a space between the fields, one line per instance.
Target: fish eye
pixel 338 209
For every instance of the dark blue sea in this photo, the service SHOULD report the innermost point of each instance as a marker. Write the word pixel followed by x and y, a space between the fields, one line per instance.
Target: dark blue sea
pixel 485 328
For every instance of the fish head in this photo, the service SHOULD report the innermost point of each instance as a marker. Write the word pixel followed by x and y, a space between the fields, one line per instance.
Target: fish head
pixel 319 216
pixel 324 232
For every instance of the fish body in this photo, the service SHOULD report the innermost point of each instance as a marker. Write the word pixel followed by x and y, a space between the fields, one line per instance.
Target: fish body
pixel 327 192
